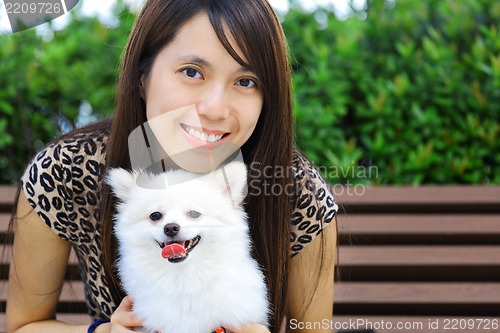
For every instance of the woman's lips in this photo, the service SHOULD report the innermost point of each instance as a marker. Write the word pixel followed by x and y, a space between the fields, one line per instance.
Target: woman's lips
pixel 205 138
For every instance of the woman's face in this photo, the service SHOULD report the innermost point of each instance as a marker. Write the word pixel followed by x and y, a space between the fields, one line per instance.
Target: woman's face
pixel 197 95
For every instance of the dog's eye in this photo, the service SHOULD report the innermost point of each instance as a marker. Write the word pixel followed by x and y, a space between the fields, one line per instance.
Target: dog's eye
pixel 155 216
pixel 193 214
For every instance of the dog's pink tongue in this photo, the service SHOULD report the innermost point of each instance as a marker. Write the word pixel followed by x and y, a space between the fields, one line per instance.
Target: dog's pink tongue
pixel 172 251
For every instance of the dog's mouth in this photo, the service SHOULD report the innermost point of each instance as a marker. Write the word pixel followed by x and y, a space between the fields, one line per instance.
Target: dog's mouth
pixel 177 251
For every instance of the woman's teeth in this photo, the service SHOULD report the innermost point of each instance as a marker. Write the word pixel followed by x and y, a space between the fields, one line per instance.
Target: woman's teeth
pixel 202 136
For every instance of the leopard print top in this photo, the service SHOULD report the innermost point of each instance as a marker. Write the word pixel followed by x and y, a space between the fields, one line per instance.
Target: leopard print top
pixel 61 184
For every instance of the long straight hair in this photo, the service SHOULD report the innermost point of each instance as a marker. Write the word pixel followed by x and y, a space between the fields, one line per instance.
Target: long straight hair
pixel 257 31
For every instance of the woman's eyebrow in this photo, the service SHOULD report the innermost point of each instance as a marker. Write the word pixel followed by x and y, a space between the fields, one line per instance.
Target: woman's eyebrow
pixel 203 63
pixel 195 60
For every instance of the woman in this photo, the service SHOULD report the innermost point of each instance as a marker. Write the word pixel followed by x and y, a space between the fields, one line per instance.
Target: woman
pixel 229 59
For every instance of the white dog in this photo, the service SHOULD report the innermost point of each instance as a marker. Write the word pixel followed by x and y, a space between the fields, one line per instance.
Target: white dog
pixel 185 250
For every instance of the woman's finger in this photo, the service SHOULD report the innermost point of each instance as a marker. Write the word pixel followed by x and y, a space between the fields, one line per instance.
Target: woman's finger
pixel 124 316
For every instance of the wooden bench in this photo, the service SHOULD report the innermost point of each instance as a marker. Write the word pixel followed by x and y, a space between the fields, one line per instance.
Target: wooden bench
pixel 407 256
pixel 411 255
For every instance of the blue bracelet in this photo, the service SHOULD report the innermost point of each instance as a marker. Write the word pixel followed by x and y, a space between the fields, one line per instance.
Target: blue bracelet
pixel 97 323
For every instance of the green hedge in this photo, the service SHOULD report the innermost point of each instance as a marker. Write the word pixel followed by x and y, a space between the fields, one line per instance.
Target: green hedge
pixel 406 92
pixel 49 82
pixel 412 91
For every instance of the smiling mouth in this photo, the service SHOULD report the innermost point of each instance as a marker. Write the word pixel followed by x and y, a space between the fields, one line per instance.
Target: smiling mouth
pixel 177 251
pixel 203 135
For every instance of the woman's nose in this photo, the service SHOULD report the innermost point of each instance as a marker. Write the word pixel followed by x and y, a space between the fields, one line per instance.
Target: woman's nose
pixel 213 103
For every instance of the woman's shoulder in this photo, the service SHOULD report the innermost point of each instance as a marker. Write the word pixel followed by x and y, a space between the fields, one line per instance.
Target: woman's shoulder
pixel 88 142
pixel 62 180
pixel 80 151
pixel 313 205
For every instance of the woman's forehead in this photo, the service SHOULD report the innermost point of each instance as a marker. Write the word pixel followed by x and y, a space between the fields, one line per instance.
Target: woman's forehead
pixel 197 42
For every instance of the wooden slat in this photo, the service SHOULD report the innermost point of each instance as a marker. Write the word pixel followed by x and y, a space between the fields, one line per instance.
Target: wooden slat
pixel 417 298
pixel 422 195
pixel 460 229
pixel 420 255
pixel 376 224
pixel 420 263
pixel 414 292
pixel 4 222
pixel 7 196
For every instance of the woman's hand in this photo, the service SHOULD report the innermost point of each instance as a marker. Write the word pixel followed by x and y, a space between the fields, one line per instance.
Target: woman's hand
pixel 252 328
pixel 122 319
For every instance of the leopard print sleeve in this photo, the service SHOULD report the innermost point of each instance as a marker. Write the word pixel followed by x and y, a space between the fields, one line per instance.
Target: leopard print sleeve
pixel 47 185
pixel 314 206
pixel 61 184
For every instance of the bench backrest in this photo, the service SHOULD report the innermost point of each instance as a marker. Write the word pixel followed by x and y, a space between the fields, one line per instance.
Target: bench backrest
pixel 407 254
pixel 419 254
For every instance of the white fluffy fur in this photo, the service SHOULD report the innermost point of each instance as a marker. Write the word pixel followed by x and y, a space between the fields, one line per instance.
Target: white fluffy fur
pixel 219 284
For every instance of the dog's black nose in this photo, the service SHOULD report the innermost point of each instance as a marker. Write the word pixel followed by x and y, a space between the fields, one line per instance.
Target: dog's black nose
pixel 171 229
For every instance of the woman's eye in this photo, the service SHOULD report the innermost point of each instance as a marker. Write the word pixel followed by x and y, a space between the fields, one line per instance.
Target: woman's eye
pixel 155 216
pixel 246 83
pixel 192 73
pixel 193 214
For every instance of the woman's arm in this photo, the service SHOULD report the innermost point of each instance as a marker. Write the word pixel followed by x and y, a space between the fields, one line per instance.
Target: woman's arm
pixel 308 276
pixel 36 275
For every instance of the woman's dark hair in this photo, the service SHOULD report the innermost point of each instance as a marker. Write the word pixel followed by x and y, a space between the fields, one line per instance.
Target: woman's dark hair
pixel 257 31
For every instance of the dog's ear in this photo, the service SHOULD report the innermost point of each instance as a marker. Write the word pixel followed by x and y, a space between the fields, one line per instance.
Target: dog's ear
pixel 121 182
pixel 232 180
